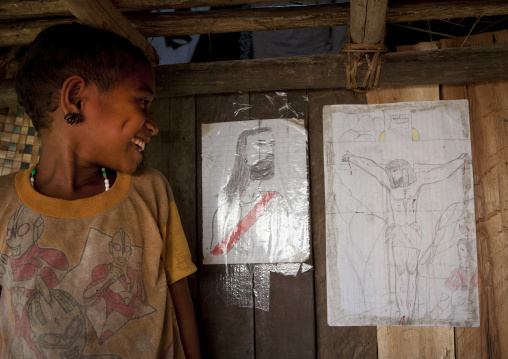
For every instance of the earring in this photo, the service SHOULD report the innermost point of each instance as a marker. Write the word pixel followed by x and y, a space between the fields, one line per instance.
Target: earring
pixel 72 118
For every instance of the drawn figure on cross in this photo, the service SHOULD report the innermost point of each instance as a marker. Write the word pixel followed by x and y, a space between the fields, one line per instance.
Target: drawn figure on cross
pixel 404 234
pixel 250 220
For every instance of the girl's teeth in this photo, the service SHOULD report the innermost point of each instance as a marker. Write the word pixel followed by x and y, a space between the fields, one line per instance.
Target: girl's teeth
pixel 140 145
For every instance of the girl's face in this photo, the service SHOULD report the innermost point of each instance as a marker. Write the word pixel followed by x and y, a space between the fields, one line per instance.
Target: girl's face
pixel 119 124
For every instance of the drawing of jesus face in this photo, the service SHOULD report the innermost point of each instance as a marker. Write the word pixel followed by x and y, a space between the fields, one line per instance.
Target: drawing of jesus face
pixel 400 177
pixel 259 147
pixel 259 155
pixel 401 173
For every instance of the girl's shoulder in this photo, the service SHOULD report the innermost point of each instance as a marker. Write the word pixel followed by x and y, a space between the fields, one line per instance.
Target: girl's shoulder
pixel 7 183
pixel 147 179
pixel 149 175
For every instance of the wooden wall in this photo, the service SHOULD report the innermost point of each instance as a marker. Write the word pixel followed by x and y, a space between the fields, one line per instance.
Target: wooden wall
pixel 296 324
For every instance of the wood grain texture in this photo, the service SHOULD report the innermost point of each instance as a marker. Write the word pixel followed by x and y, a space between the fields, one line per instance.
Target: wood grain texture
pixel 367 22
pixel 157 153
pixel 332 342
pixel 411 342
pixel 182 169
pixel 173 153
pixel 446 66
pixel 227 330
pixel 259 19
pixel 488 103
pixel 26 9
pixel 287 329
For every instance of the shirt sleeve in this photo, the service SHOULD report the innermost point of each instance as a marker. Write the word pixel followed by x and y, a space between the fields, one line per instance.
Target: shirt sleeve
pixel 177 257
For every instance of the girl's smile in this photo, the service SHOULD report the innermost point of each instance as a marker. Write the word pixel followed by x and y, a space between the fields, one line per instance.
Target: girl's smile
pixel 120 125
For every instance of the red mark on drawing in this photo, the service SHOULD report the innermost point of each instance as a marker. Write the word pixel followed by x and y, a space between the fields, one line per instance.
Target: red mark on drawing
pixel 413 204
pixel 464 229
pixel 402 320
pixel 229 241
pixel 464 168
pixel 349 163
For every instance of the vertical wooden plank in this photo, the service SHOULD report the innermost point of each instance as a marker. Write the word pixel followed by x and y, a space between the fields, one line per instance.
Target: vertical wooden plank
pixel 488 112
pixel 332 342
pixel 287 329
pixel 182 171
pixel 156 154
pixel 227 331
pixel 412 342
pixel 173 152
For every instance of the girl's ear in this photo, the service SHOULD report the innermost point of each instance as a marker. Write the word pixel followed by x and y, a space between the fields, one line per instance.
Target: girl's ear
pixel 72 94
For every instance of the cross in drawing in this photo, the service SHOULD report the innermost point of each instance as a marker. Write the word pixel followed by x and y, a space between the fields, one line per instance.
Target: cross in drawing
pixel 403 232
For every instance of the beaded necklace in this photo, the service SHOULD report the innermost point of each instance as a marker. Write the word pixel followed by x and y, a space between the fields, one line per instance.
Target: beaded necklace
pixel 103 170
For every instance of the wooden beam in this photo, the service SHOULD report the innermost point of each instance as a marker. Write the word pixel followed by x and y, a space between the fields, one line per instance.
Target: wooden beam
pixel 450 66
pixel 104 15
pixel 32 9
pixel 260 19
pixel 445 66
pixel 367 24
pixel 236 20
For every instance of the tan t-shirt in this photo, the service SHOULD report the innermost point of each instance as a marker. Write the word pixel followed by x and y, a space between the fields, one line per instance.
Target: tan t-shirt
pixel 89 277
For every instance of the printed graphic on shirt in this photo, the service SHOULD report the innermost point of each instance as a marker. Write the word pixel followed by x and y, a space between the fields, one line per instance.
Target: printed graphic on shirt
pixel 108 282
pixel 58 325
pixel 50 301
pixel 29 270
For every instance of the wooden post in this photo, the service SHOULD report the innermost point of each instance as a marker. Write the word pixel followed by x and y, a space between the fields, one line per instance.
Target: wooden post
pixel 408 342
pixel 104 15
pixel 367 24
pixel 488 103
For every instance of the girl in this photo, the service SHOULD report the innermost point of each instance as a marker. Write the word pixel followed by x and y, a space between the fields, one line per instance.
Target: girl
pixel 93 257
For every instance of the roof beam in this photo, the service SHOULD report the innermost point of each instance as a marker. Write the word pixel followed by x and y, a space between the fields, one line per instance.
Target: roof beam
pixel 31 9
pixel 444 66
pixel 274 18
pixel 104 15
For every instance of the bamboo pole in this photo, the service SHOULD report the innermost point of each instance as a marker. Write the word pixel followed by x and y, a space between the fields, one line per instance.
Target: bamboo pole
pixel 260 19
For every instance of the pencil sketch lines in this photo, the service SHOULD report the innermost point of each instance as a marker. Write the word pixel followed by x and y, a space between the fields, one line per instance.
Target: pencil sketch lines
pixel 254 220
pixel 404 234
pixel 399 215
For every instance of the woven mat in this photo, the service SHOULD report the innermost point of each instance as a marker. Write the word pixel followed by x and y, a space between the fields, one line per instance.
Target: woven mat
pixel 19 145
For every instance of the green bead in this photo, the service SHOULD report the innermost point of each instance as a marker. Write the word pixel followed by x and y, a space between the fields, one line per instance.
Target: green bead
pixel 34 172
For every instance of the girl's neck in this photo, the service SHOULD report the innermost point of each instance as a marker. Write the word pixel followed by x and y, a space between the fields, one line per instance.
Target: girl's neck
pixel 70 181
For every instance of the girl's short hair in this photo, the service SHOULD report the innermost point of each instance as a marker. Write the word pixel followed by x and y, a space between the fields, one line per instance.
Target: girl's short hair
pixel 61 51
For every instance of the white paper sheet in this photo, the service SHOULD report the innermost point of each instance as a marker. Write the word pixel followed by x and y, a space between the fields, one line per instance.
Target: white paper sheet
pixel 255 192
pixel 401 245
